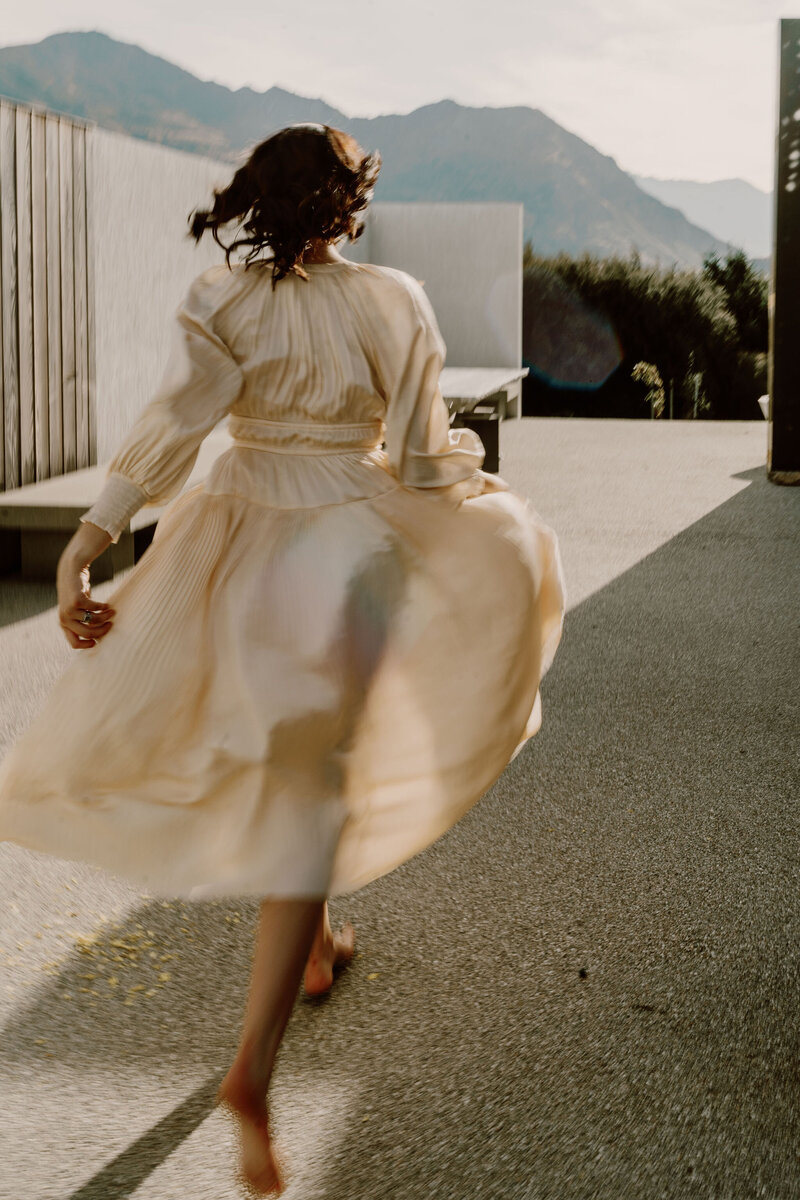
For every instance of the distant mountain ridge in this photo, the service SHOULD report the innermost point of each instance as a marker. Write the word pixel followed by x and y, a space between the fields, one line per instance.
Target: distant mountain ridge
pixel 732 209
pixel 575 199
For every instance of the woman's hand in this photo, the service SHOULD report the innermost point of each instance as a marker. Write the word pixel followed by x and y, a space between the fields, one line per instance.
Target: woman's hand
pixel 74 589
pixel 493 483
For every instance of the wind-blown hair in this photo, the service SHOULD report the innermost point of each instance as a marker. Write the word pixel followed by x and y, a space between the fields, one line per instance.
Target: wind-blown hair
pixel 305 181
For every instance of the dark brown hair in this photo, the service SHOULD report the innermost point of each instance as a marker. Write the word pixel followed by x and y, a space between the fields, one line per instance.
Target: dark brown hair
pixel 305 181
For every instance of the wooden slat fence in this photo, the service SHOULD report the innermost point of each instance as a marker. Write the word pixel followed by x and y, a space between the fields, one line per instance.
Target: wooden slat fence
pixel 46 302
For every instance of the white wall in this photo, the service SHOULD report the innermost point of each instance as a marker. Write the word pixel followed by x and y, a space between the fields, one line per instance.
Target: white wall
pixel 470 258
pixel 140 197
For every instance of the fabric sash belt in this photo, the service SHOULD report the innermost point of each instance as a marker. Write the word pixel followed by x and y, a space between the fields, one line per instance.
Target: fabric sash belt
pixel 310 437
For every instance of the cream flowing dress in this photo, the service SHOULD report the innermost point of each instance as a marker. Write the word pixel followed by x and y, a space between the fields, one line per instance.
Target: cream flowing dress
pixel 332 646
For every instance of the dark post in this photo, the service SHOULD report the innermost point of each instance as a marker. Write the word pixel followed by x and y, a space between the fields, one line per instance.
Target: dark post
pixel 783 460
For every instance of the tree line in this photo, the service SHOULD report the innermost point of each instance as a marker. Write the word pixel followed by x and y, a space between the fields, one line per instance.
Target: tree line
pixel 616 337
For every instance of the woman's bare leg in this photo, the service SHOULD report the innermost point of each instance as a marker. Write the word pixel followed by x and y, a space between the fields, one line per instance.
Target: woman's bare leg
pixel 328 950
pixel 286 931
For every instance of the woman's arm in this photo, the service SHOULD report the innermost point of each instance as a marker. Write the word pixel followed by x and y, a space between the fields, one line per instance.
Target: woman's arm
pixel 86 544
pixel 200 383
pixel 422 449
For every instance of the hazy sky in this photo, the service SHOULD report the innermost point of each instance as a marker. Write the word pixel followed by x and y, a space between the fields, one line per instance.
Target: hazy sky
pixel 671 88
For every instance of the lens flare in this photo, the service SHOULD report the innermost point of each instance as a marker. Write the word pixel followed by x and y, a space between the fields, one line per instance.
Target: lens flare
pixel 565 342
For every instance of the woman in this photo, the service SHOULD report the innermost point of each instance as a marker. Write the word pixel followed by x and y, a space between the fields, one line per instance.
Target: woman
pixel 331 649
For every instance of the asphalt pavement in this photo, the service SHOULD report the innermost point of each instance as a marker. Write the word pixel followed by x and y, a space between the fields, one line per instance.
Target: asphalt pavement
pixel 587 989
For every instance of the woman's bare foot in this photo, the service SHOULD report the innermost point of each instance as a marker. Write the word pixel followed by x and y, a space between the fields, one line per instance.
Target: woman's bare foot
pixel 329 950
pixel 260 1170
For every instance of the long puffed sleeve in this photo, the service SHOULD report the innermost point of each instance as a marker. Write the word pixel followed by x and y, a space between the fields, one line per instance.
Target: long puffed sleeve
pixel 422 450
pixel 200 383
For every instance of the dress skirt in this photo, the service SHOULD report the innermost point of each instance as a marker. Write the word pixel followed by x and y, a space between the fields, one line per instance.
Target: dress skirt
pixel 293 701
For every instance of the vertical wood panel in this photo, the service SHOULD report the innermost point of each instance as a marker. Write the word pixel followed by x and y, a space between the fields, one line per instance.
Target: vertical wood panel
pixel 41 416
pixel 67 297
pixel 10 366
pixel 2 357
pixel 27 464
pixel 47 322
pixel 53 263
pixel 81 303
pixel 90 316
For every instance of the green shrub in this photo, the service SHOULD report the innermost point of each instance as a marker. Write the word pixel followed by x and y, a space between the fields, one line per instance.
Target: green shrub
pixel 596 324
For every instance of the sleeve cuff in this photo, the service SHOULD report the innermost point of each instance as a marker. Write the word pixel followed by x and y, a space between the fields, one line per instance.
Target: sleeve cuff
pixel 116 504
pixel 463 457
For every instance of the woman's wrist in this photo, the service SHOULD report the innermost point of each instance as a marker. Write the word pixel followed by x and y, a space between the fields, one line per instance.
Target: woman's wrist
pixel 85 545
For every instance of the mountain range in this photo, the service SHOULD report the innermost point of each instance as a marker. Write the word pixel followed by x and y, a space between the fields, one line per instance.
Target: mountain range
pixel 575 199
pixel 736 211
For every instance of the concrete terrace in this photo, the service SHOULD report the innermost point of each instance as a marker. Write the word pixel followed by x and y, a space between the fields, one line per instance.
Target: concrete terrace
pixel 588 989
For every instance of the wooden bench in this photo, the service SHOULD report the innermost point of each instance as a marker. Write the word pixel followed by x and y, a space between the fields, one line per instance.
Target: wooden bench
pixel 464 388
pixel 480 398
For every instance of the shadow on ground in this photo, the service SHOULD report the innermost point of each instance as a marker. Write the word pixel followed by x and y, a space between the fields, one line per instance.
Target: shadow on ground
pixel 589 988
pixel 25 598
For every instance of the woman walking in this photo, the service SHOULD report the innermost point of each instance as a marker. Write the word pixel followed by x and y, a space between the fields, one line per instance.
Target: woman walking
pixel 332 646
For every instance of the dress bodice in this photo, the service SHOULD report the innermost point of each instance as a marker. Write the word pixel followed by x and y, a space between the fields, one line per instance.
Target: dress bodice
pixel 330 385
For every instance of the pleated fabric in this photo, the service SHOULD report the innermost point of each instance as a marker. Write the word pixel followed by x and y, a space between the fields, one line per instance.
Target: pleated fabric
pixel 333 645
